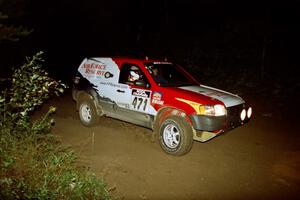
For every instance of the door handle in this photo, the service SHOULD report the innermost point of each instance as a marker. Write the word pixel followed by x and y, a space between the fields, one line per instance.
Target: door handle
pixel 122 91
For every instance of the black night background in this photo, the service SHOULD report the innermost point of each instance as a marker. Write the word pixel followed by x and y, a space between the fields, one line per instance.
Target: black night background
pixel 251 43
pixel 250 48
pixel 215 34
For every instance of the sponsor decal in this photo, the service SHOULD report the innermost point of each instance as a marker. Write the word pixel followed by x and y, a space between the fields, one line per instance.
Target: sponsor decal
pixel 124 105
pixel 157 98
pixel 140 100
pixel 98 69
pixel 100 66
pixel 160 63
pixel 114 85
pixel 141 93
pixel 108 75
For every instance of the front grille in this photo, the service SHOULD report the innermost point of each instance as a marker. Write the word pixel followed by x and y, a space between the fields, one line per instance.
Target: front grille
pixel 233 115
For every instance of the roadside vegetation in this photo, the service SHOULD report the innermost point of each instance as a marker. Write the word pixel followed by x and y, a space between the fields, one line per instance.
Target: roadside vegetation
pixel 33 164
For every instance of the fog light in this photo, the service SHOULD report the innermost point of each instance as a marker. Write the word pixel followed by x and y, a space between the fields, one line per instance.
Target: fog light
pixel 243 115
pixel 249 112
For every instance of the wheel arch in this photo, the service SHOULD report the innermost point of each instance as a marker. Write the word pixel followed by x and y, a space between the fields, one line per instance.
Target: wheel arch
pixel 165 112
pixel 92 95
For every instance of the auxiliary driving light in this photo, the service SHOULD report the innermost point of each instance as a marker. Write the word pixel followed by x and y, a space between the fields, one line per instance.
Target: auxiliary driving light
pixel 243 115
pixel 249 112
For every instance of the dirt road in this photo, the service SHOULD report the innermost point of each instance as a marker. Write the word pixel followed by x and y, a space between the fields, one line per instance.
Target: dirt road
pixel 258 161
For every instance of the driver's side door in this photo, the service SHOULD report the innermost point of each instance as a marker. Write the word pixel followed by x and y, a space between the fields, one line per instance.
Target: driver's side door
pixel 134 101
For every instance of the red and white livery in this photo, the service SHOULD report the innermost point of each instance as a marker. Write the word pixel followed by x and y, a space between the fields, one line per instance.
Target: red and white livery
pixel 158 95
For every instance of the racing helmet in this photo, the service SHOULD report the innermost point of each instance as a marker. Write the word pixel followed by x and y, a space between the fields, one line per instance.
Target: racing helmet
pixel 133 74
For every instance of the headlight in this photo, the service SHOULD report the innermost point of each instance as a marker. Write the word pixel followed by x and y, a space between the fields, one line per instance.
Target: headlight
pixel 220 110
pixel 212 110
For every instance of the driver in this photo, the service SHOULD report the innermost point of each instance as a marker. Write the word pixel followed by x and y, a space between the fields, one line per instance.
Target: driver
pixel 133 75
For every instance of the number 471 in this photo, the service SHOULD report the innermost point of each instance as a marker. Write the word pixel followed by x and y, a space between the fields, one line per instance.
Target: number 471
pixel 137 103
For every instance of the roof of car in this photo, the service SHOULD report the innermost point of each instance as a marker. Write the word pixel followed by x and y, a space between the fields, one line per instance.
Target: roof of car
pixel 133 59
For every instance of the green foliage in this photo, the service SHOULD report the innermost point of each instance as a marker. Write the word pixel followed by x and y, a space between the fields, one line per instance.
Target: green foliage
pixel 36 166
pixel 33 164
pixel 30 87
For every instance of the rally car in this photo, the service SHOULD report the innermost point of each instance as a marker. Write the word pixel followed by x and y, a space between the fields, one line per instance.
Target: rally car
pixel 159 95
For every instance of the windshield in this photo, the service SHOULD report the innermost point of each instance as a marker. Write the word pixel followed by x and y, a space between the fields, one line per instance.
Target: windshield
pixel 167 74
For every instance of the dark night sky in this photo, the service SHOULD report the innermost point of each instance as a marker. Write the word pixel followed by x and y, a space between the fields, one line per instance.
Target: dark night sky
pixel 70 30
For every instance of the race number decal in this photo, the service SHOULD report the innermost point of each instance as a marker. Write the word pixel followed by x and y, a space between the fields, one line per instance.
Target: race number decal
pixel 140 100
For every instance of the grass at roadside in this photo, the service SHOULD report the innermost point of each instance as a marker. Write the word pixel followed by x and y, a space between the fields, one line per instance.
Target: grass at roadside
pixel 33 164
pixel 37 166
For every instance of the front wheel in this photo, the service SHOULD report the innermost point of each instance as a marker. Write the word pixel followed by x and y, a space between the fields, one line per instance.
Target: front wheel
pixel 175 136
pixel 87 112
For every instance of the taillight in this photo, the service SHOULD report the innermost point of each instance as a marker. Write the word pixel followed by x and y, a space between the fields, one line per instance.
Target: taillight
pixel 76 80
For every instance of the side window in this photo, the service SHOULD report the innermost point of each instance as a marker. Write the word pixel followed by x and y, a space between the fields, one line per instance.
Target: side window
pixel 132 75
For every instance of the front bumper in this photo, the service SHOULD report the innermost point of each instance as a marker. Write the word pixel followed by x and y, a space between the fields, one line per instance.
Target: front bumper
pixel 208 123
pixel 217 123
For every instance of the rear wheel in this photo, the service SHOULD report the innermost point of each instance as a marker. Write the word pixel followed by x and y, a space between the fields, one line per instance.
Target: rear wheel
pixel 87 112
pixel 175 136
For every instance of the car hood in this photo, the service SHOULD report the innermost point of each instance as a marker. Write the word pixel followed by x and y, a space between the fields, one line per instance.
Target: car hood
pixel 227 98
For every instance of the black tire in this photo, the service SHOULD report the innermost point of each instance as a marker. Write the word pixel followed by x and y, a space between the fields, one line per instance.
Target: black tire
pixel 87 112
pixel 175 136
